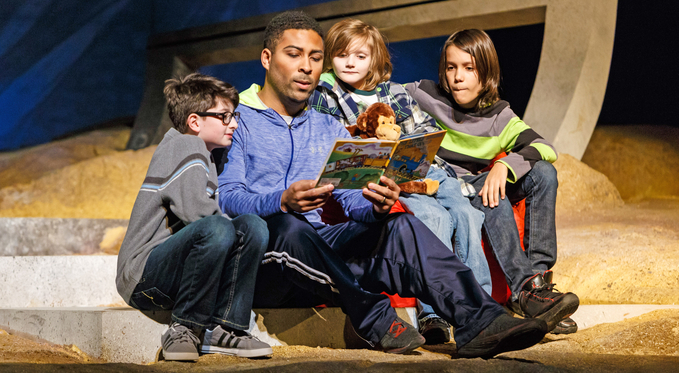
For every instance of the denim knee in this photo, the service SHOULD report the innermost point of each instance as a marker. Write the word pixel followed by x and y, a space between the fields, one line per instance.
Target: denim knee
pixel 544 173
pixel 217 233
pixel 254 230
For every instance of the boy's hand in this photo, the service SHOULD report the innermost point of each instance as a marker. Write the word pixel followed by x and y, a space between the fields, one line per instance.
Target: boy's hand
pixel 382 196
pixel 301 196
pixel 494 185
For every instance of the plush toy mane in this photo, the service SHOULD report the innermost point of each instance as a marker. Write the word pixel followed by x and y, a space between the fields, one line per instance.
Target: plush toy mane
pixel 366 123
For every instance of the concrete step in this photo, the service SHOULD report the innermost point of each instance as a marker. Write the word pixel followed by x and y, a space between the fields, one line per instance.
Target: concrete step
pixel 58 281
pixel 126 335
pixel 55 236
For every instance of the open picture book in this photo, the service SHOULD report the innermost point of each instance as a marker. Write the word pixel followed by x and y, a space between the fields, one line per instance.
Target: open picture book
pixel 352 164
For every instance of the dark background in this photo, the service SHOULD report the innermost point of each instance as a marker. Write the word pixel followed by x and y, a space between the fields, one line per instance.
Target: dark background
pixel 71 65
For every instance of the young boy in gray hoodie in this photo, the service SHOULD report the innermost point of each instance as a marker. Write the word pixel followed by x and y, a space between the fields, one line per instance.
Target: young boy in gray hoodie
pixel 180 253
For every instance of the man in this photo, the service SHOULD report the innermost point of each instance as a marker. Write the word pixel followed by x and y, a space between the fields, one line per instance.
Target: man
pixel 279 147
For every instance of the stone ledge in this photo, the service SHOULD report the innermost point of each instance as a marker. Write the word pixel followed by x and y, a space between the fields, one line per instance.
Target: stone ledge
pixel 54 236
pixel 58 281
pixel 125 335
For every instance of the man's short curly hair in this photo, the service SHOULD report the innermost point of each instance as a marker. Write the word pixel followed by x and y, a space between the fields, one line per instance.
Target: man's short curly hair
pixel 194 93
pixel 290 20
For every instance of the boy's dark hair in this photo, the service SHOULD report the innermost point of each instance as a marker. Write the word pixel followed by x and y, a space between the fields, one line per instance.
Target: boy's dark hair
pixel 290 20
pixel 478 44
pixel 194 93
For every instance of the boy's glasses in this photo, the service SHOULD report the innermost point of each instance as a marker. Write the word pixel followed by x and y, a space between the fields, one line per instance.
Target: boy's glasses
pixel 226 116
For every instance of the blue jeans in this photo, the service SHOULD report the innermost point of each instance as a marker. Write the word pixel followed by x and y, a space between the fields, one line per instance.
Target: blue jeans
pixel 206 272
pixel 538 187
pixel 450 216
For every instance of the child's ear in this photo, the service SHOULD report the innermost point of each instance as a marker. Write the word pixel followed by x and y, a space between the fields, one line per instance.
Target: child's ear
pixel 192 123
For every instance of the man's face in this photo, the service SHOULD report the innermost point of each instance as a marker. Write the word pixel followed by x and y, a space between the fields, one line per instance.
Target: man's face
pixel 295 66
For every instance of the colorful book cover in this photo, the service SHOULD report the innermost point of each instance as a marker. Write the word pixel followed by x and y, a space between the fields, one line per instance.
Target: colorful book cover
pixel 352 164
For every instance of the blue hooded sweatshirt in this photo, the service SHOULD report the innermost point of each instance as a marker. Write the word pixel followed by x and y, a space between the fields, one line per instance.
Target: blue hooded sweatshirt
pixel 268 155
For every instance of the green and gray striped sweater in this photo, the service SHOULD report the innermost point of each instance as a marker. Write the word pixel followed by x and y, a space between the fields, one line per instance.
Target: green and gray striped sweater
pixel 475 138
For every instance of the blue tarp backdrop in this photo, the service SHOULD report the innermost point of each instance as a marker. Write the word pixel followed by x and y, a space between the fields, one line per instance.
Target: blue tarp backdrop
pixel 66 65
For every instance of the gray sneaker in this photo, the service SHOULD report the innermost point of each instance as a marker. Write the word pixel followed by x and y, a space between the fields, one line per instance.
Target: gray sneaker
pixel 179 343
pixel 219 341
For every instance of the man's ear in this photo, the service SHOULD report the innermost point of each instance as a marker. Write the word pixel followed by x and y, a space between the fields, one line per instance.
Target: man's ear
pixel 265 57
pixel 192 123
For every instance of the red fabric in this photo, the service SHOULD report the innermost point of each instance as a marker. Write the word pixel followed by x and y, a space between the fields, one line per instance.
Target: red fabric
pixel 501 292
pixel 333 212
pixel 397 301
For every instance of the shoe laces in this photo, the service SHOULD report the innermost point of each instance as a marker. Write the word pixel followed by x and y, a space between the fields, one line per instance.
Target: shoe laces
pixel 545 289
pixel 183 334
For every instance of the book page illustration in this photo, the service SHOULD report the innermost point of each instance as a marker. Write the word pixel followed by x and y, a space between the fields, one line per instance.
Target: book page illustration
pixel 413 157
pixel 352 164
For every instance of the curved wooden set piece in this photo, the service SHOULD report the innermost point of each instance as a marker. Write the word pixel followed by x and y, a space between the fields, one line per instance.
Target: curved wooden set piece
pixel 567 93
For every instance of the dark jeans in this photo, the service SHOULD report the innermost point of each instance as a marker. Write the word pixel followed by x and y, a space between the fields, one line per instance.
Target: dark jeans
pixel 206 272
pixel 538 187
pixel 352 263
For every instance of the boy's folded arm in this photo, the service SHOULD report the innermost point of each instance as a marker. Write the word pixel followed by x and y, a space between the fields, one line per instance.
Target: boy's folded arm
pixel 190 194
pixel 526 147
pixel 424 123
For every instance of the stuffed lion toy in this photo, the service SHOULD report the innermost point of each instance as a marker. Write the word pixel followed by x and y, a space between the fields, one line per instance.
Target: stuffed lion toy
pixel 379 121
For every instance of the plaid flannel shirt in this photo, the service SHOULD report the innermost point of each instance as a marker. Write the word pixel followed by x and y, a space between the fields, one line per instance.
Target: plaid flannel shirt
pixel 331 98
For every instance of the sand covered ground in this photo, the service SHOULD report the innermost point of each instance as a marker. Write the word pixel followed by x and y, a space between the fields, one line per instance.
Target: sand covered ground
pixel 617 227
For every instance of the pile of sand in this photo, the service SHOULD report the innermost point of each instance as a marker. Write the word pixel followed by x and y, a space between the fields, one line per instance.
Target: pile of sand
pixel 88 176
pixel 582 188
pixel 641 160
pixel 16 349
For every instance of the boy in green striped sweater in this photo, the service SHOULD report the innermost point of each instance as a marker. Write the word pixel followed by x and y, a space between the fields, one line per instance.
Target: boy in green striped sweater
pixel 480 126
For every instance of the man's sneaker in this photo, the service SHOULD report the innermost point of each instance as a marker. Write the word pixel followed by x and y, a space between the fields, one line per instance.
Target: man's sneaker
pixel 220 341
pixel 401 338
pixel 565 326
pixel 504 334
pixel 539 299
pixel 179 343
pixel 434 329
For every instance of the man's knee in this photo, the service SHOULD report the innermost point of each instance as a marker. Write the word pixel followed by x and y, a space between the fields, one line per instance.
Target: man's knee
pixel 290 232
pixel 287 224
pixel 406 224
